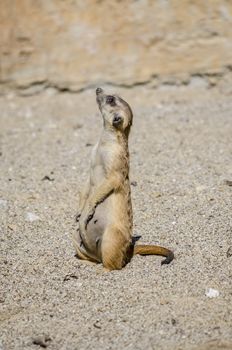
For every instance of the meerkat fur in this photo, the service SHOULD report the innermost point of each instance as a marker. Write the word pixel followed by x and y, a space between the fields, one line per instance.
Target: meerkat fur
pixel 105 210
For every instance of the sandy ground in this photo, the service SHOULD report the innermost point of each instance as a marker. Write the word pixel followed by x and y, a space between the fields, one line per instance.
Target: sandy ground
pixel 181 157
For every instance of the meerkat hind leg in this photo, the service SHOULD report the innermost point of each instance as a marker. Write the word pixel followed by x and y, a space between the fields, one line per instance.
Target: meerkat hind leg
pixel 114 249
pixel 80 252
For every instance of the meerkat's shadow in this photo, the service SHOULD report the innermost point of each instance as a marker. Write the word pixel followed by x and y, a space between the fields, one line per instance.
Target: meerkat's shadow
pixel 135 239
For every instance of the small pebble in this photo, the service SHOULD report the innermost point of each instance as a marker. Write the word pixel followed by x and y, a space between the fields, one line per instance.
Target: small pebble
pixel 31 217
pixel 212 293
pixel 228 182
pixel 42 341
pixel 3 203
pixel 48 178
pixel 229 252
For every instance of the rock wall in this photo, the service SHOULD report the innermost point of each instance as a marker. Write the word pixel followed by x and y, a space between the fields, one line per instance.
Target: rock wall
pixel 76 44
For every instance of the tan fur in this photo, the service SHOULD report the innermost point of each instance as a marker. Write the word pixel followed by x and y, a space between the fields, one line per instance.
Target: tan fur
pixel 105 217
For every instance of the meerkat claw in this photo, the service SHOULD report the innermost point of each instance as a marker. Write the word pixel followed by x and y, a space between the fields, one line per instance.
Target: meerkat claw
pixel 77 217
pixel 89 218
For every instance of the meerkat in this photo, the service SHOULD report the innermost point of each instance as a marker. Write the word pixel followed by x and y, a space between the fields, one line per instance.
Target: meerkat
pixel 105 209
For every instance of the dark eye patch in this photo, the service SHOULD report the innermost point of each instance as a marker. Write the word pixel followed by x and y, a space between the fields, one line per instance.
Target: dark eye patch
pixel 111 100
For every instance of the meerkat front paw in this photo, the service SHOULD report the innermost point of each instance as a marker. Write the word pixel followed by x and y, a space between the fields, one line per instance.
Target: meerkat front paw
pixel 89 217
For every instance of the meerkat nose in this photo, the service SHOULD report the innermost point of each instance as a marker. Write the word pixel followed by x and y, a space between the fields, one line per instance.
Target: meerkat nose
pixel 99 91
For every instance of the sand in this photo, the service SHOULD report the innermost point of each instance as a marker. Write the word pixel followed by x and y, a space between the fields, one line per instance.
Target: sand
pixel 181 168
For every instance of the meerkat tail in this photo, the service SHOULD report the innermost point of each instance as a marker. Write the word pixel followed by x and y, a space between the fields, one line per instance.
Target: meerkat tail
pixel 154 250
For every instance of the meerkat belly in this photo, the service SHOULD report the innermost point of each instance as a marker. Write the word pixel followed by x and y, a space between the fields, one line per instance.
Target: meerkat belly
pixel 98 224
pixel 115 210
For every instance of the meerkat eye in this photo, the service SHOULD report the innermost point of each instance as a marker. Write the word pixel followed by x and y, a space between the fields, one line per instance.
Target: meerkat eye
pixel 110 100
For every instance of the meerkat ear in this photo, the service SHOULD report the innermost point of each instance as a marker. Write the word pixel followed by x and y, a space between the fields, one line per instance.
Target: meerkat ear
pixel 117 120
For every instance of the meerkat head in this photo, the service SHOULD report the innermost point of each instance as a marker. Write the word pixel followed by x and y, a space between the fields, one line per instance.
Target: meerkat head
pixel 115 111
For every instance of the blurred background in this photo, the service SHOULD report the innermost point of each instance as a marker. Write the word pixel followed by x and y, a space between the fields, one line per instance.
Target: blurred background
pixel 72 45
